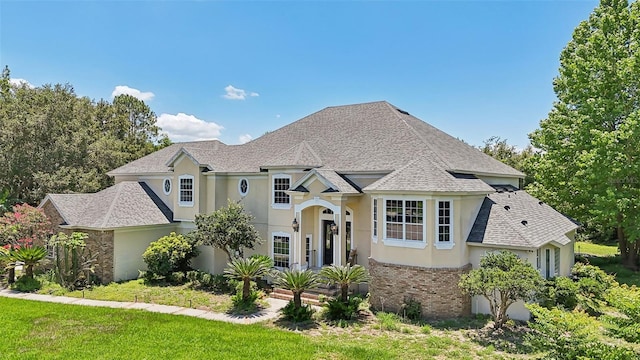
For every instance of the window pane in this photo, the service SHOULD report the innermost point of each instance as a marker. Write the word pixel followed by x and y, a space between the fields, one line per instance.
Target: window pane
pixel 281 251
pixel 279 187
pixel 444 221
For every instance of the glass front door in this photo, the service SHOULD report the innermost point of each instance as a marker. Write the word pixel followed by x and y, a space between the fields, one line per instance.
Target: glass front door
pixel 327 237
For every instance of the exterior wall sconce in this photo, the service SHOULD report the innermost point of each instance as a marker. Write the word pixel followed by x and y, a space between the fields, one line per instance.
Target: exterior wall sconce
pixel 295 225
pixel 334 228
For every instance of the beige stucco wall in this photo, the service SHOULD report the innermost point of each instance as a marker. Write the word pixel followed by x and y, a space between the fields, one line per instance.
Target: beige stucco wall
pixel 464 211
pixel 129 245
pixel 156 183
pixel 496 180
pixel 185 166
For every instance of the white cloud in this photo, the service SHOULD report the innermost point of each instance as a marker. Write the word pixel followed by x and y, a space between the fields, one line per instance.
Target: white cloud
pixel 20 82
pixel 245 138
pixel 233 93
pixel 182 127
pixel 124 89
pixel 277 116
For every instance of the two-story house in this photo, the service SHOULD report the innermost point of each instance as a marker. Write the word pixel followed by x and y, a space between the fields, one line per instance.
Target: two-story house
pixel 366 183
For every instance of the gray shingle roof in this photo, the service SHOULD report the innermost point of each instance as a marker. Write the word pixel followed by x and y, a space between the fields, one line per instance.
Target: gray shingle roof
pixel 423 174
pixel 125 204
pixel 334 181
pixel 362 137
pixel 500 221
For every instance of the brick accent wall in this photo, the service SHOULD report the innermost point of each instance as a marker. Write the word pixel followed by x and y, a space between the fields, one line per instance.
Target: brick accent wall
pixel 435 288
pixel 99 244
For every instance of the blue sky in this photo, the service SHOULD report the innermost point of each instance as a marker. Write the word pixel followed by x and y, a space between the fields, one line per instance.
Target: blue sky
pixel 234 70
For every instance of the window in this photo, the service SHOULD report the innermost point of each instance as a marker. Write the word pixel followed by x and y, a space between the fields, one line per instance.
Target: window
pixel 243 187
pixel 444 225
pixel 556 261
pixel 186 190
pixel 538 260
pixel 547 263
pixel 281 251
pixel 404 220
pixel 166 186
pixel 375 218
pixel 307 252
pixel 281 184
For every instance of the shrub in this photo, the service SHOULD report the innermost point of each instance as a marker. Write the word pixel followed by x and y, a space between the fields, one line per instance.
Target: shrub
pixel 169 254
pixel 246 304
pixel 560 291
pixel 411 309
pixel 336 309
pixel 626 300
pixel 73 263
pixel 571 335
pixel 297 314
pixel 26 284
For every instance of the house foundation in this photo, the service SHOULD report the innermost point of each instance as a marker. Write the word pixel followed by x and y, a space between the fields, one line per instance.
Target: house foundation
pixel 435 288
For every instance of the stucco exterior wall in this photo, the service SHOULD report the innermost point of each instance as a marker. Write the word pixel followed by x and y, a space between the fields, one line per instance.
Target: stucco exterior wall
pixel 185 166
pixel 436 289
pixel 129 245
pixel 156 183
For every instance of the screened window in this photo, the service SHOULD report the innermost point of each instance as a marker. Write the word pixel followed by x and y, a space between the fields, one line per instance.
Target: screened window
pixel 281 184
pixel 186 191
pixel 404 220
pixel 281 251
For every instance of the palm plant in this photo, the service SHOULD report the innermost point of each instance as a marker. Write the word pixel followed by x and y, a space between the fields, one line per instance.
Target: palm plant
pixel 297 282
pixel 30 256
pixel 344 276
pixel 247 270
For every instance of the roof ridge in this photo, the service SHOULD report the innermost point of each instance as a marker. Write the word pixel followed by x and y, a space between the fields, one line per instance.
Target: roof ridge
pixel 395 111
pixel 119 187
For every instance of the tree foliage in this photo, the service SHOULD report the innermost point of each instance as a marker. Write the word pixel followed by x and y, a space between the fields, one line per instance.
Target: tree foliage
pixel 503 278
pixel 169 254
pixel 499 149
pixel 52 140
pixel 589 165
pixel 228 229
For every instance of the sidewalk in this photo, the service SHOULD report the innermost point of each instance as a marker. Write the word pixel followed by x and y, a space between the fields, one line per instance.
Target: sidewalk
pixel 270 313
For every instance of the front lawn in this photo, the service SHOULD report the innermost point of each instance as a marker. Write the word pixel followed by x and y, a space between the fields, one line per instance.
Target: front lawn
pixel 37 330
pixel 136 290
pixel 583 247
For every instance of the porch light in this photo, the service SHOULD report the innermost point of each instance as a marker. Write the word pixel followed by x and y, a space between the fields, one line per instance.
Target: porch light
pixel 295 225
pixel 334 228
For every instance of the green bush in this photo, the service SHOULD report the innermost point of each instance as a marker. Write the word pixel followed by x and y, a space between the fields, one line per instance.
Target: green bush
pixel 560 291
pixel 626 300
pixel 170 254
pixel 302 314
pixel 336 309
pixel 26 284
pixel 218 283
pixel 389 321
pixel 411 309
pixel 249 304
pixel 569 335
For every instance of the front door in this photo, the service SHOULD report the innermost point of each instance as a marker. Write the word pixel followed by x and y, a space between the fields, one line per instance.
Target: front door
pixel 327 237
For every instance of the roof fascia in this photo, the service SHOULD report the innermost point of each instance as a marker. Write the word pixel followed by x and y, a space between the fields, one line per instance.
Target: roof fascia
pixel 500 246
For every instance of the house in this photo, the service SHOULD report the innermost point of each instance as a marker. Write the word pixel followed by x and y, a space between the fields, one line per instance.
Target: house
pixel 414 205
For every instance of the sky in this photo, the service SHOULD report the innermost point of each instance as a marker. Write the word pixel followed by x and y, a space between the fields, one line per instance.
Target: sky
pixel 235 70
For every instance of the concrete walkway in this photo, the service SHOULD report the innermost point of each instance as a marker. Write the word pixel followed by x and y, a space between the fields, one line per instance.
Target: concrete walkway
pixel 269 313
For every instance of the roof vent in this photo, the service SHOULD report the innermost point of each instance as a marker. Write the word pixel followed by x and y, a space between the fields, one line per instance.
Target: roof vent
pixel 507 207
pixel 402 112
pixel 524 222
pixel 540 202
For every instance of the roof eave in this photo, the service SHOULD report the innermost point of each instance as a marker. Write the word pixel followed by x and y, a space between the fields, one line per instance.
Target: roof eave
pixel 517 173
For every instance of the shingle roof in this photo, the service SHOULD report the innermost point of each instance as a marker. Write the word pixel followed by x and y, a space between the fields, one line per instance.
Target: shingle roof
pixel 125 204
pixel 334 181
pixel 362 137
pixel 514 218
pixel 423 174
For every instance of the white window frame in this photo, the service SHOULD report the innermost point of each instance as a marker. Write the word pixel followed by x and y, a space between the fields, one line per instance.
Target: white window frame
pixel 443 245
pixel 272 247
pixel 374 219
pixel 556 262
pixel 274 205
pixel 240 188
pixel 417 244
pixel 170 186
pixel 193 191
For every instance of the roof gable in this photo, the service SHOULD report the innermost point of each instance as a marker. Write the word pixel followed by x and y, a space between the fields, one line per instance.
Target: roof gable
pixel 329 178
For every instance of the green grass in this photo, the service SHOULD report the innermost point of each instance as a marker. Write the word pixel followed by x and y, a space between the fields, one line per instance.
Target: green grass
pixel 38 330
pixel 136 290
pixel 582 247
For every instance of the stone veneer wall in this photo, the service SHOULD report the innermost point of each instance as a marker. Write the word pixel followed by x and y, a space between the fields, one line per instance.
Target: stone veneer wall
pixel 99 244
pixel 435 288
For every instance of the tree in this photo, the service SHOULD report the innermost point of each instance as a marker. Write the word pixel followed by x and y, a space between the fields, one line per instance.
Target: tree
pixel 589 163
pixel 344 276
pixel 500 150
pixel 228 229
pixel 503 278
pixel 30 256
pixel 297 281
pixel 247 270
